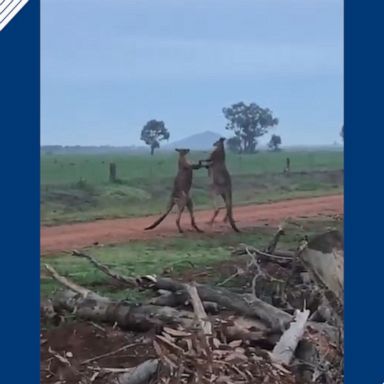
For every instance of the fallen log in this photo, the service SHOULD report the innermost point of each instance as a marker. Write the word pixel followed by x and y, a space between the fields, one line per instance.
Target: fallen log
pixel 128 316
pixel 91 306
pixel 255 308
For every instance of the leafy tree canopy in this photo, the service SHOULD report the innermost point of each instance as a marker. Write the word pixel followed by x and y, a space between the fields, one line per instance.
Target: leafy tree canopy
pixel 249 122
pixel 274 143
pixel 153 133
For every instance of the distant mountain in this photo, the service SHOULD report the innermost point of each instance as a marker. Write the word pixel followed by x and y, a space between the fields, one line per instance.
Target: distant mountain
pixel 200 141
pixel 89 150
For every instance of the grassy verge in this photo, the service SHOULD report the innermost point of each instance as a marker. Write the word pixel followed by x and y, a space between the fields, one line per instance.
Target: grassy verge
pixel 181 257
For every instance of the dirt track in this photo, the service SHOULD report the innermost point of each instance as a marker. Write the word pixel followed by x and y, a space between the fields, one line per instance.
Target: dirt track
pixel 81 235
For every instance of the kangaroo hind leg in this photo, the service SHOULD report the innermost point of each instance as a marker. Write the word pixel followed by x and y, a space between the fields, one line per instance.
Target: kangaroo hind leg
pixel 190 210
pixel 181 203
pixel 217 209
pixel 229 215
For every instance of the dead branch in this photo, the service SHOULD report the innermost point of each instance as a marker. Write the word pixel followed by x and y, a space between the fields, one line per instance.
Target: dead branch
pixel 121 349
pixel 84 292
pixel 198 308
pixel 127 281
pixel 280 257
pixel 273 243
pixel 284 350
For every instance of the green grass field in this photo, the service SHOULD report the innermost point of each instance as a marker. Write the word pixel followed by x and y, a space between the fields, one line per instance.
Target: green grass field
pixel 76 187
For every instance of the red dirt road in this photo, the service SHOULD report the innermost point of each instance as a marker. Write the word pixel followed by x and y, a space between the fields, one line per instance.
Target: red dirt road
pixel 80 235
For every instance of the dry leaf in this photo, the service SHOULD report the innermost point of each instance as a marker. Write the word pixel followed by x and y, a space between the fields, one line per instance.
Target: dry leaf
pixel 176 332
pixel 235 343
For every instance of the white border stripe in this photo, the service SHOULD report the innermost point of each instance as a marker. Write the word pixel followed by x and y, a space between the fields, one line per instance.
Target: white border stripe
pixel 8 13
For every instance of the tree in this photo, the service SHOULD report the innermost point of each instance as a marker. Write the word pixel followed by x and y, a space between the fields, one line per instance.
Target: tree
pixel 153 133
pixel 274 143
pixel 234 144
pixel 249 122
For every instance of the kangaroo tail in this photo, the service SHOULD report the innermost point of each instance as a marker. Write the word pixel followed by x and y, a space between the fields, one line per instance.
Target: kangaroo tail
pixel 161 218
pixel 228 204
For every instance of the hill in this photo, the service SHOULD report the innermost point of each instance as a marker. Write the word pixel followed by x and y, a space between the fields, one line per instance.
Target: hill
pixel 198 141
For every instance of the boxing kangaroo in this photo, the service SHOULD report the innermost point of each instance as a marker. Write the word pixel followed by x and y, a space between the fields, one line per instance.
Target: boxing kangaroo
pixel 180 193
pixel 221 181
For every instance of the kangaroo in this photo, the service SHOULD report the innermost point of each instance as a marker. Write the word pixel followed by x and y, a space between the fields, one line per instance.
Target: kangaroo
pixel 221 181
pixel 180 193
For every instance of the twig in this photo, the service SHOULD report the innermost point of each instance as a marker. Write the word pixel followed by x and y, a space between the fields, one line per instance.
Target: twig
pixel 97 326
pixel 273 243
pixel 121 349
pixel 128 281
pixel 109 370
pixel 57 355
pixel 282 257
pixel 269 255
pixel 239 272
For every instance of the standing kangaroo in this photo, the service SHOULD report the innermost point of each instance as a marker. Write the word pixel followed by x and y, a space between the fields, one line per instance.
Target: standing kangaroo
pixel 221 181
pixel 180 193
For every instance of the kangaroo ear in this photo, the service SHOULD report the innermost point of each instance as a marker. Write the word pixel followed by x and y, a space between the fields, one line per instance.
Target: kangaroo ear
pixel 177 150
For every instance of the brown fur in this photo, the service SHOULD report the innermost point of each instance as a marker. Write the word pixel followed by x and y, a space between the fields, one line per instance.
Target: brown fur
pixel 221 181
pixel 180 193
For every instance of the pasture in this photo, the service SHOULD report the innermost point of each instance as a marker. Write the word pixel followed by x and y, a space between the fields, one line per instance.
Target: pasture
pixel 76 187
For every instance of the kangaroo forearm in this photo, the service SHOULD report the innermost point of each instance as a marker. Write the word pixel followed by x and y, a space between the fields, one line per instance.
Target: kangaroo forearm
pixel 207 162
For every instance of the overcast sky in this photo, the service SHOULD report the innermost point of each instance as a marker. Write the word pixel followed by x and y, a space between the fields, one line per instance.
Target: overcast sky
pixel 109 66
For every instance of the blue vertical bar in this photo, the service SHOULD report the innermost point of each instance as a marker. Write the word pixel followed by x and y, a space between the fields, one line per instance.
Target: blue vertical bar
pixel 19 195
pixel 364 192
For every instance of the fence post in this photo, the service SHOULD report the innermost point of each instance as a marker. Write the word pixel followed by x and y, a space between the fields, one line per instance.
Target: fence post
pixel 112 173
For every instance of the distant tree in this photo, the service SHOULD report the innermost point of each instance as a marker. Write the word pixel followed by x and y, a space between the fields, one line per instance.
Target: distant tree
pixel 274 143
pixel 234 144
pixel 153 133
pixel 249 122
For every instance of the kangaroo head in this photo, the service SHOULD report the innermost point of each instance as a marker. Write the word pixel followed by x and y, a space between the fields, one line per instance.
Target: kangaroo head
pixel 219 143
pixel 182 151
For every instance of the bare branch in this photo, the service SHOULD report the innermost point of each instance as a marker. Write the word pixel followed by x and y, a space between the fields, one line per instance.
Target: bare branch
pixel 84 292
pixel 128 281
